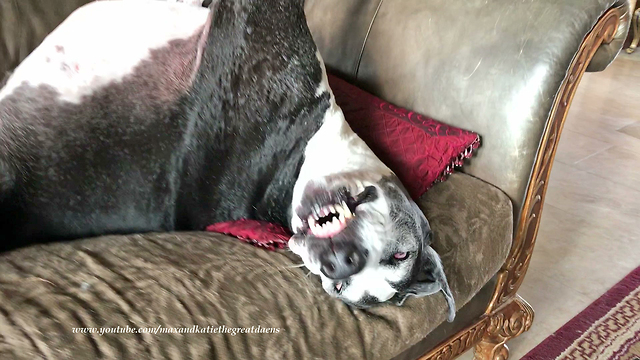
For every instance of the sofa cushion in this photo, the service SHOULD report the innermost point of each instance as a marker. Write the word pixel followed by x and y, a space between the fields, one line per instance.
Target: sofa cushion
pixel 206 279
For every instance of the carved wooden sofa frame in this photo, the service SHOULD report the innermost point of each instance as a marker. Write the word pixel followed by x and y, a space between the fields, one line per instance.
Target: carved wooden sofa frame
pixel 508 315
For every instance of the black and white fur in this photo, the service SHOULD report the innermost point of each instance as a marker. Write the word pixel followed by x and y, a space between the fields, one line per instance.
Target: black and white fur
pixel 174 117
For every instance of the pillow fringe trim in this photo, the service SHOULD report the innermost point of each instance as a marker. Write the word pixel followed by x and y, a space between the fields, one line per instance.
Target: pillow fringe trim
pixel 458 161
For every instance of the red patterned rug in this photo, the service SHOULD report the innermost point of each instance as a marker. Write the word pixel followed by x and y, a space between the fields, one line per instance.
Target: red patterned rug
pixel 609 329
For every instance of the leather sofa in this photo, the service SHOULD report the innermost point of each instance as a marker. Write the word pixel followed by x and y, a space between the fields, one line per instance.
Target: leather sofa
pixel 505 69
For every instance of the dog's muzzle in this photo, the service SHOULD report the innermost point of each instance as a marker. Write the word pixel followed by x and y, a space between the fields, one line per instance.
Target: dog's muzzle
pixel 330 230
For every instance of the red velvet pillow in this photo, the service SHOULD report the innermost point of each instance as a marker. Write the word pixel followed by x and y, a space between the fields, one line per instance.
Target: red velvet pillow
pixel 257 233
pixel 420 150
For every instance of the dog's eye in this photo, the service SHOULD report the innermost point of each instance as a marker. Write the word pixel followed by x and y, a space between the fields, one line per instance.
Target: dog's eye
pixel 399 256
pixel 395 258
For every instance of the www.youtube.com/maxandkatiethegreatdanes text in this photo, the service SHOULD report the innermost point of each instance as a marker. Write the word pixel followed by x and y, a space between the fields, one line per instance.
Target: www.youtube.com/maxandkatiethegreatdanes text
pixel 195 329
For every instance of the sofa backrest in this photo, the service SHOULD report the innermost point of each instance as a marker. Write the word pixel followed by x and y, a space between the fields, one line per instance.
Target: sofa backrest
pixel 493 67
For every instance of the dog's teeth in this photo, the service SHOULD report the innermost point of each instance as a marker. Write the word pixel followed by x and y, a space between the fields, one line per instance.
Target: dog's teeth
pixel 311 220
pixel 343 211
pixel 334 226
pixel 332 209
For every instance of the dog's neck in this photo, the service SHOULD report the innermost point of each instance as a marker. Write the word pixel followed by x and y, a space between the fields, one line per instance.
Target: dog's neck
pixel 334 151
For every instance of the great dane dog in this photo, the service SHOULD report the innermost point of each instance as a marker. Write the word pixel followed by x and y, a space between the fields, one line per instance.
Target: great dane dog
pixel 139 116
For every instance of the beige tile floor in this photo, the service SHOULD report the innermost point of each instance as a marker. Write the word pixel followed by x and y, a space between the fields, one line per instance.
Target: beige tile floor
pixel 589 236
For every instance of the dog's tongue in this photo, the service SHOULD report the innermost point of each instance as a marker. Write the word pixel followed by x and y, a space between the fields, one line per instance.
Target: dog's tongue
pixel 329 229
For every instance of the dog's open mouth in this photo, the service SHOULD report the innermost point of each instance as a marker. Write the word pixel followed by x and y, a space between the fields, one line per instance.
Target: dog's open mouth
pixel 329 220
pixel 328 213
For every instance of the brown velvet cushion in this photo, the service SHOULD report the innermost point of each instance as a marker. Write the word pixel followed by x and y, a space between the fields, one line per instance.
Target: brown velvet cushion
pixel 204 279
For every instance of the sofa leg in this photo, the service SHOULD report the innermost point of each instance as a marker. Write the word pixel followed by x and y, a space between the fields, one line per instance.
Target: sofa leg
pixel 491 349
pixel 507 322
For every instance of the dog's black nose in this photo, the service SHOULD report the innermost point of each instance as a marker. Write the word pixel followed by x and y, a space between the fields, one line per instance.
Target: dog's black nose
pixel 342 261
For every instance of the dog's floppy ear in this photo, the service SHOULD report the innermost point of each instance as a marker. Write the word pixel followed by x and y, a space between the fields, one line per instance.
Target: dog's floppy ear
pixel 429 280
